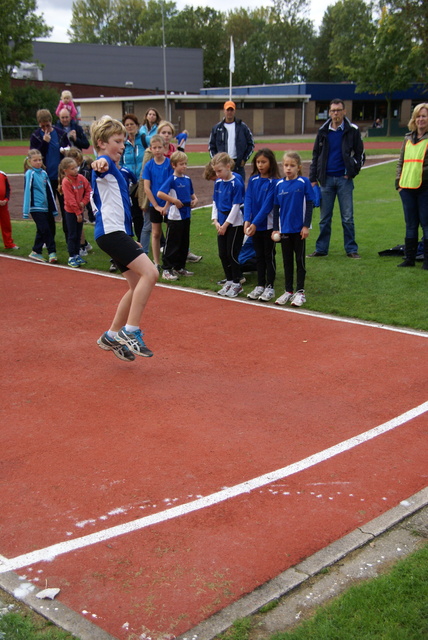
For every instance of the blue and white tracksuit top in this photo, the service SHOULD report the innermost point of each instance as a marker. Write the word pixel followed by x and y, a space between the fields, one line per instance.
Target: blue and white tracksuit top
pixel 293 204
pixel 157 174
pixel 258 203
pixel 111 202
pixel 228 198
pixel 38 194
pixel 179 187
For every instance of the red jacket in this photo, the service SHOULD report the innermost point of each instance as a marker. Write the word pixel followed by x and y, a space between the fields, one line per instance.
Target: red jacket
pixel 76 190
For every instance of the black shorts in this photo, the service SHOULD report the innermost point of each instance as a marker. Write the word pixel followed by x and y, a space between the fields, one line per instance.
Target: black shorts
pixel 122 248
pixel 155 216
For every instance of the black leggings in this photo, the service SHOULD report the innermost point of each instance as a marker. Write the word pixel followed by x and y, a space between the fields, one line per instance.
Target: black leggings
pixel 264 247
pixel 293 245
pixel 229 247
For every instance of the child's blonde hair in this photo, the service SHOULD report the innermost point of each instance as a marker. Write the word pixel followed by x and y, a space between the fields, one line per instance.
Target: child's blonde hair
pixel 294 156
pixel 176 157
pixel 224 159
pixel 32 153
pixel 66 94
pixel 157 138
pixel 164 123
pixel 65 164
pixel 76 154
pixel 104 128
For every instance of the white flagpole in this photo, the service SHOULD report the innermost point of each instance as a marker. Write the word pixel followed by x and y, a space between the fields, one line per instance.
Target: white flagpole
pixel 231 66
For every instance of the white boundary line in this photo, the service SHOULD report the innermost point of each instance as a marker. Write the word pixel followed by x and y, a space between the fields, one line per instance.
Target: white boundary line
pixel 49 553
pixel 212 294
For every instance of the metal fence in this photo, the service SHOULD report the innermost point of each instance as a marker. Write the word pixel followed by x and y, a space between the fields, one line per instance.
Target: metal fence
pixel 18 132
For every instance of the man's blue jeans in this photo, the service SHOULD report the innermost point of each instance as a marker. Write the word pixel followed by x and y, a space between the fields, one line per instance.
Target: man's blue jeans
pixel 342 188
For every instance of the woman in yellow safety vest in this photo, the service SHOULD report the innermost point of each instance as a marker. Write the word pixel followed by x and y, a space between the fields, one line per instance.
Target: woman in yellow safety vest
pixel 412 184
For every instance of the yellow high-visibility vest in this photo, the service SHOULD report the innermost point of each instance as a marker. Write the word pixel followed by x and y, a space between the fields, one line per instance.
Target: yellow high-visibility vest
pixel 413 164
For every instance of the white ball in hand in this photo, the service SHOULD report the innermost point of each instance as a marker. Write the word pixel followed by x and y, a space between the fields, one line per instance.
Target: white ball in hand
pixel 276 236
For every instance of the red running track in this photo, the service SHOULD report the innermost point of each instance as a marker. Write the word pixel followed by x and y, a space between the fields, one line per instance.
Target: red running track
pixel 101 457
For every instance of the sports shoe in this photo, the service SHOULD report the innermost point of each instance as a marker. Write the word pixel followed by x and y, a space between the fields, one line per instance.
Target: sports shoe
pixel 316 254
pixel 267 294
pixel 14 247
pixel 191 257
pixel 354 255
pixel 183 272
pixel 113 267
pixel 121 351
pixel 37 256
pixel 72 263
pixel 255 293
pixel 52 257
pixel 234 290
pixel 169 275
pixel 83 252
pixel 79 260
pixel 134 341
pixel 225 288
pixel 298 299
pixel 284 298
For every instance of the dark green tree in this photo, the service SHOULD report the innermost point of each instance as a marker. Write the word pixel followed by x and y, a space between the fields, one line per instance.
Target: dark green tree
pixel 19 27
pixel 388 63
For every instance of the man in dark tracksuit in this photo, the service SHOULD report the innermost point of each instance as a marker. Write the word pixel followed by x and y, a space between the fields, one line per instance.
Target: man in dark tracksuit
pixel 232 136
pixel 337 157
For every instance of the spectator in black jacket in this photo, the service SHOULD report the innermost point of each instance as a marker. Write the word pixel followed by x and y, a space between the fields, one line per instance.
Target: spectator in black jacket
pixel 232 136
pixel 75 134
pixel 337 158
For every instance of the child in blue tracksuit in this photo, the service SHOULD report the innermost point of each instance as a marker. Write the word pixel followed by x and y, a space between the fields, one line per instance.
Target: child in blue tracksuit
pixel 293 204
pixel 177 190
pixel 39 202
pixel 228 220
pixel 258 221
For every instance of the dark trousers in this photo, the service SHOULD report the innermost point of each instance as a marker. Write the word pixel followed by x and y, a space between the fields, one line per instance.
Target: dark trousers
pixel 44 233
pixel 229 247
pixel 292 246
pixel 176 244
pixel 264 247
pixel 74 231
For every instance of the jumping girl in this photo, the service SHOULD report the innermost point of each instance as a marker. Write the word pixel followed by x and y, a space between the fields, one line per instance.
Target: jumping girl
pixel 258 221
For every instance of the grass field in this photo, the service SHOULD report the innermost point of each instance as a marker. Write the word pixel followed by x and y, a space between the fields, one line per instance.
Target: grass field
pixel 370 289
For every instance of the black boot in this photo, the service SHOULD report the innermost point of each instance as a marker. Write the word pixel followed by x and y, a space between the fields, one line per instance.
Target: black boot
pixel 425 262
pixel 411 247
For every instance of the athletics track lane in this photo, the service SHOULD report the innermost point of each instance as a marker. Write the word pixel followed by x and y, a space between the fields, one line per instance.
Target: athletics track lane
pixel 233 392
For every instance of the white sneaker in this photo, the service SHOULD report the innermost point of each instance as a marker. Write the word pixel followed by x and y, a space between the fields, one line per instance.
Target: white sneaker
pixel 191 257
pixel 298 299
pixel 234 290
pixel 225 288
pixel 267 294
pixel 183 272
pixel 83 252
pixel 167 275
pixel 255 293
pixel 284 298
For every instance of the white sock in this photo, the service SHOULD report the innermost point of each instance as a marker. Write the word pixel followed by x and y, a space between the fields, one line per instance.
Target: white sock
pixel 130 328
pixel 111 334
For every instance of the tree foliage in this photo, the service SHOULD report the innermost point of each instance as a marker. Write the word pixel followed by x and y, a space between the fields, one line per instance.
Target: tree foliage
pixel 19 27
pixel 387 63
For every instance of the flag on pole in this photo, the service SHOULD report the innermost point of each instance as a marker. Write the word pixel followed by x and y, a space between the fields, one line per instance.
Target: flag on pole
pixel 232 56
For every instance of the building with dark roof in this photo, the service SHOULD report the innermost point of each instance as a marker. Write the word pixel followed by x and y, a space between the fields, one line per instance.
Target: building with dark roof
pixel 137 68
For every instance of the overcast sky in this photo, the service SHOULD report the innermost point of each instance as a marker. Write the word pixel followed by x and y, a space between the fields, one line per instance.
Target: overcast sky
pixel 58 14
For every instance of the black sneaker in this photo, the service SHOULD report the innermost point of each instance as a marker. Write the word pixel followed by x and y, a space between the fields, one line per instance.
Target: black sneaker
pixel 134 341
pixel 120 351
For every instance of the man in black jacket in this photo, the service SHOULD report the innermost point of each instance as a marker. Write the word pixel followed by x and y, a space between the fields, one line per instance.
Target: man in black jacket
pixel 337 157
pixel 75 134
pixel 232 136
